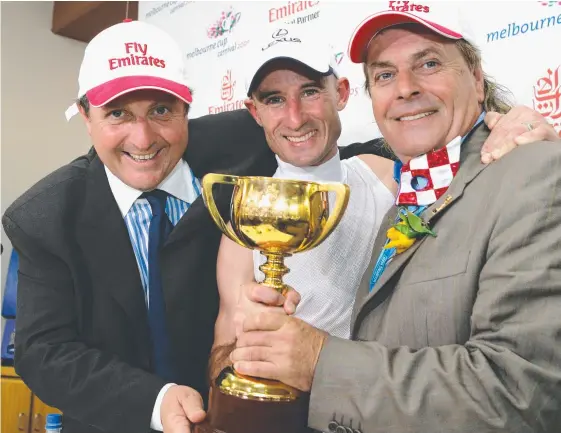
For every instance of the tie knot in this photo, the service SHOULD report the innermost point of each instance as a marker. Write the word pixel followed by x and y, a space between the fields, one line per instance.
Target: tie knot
pixel 157 199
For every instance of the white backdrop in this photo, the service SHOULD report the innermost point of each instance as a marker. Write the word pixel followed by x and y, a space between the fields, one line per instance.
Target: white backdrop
pixel 520 43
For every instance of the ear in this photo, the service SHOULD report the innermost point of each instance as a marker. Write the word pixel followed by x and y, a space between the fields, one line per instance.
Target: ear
pixel 479 84
pixel 250 105
pixel 343 93
pixel 86 118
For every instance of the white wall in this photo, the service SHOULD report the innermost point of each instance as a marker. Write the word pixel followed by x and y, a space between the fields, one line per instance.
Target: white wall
pixel 39 73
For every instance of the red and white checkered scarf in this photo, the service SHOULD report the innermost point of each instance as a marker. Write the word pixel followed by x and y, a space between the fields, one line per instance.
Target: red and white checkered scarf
pixel 438 167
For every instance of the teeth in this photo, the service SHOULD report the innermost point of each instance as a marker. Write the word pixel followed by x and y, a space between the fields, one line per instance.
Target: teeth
pixel 143 157
pixel 417 116
pixel 301 139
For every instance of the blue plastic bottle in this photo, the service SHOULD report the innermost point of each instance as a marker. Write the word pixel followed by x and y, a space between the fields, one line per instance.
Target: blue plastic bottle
pixel 54 423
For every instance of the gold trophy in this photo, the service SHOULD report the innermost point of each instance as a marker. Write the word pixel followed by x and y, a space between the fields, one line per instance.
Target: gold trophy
pixel 278 217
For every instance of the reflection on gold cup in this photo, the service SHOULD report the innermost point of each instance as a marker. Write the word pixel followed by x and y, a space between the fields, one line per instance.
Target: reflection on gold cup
pixel 278 217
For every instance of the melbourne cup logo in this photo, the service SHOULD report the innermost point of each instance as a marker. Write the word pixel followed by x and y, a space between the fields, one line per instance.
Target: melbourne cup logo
pixel 225 24
pixel 279 36
pixel 547 97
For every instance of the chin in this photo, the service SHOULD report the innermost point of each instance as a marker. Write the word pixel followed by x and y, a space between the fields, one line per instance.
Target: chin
pixel 143 183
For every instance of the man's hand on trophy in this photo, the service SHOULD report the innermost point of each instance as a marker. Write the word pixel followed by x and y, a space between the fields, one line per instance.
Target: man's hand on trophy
pixel 280 347
pixel 521 125
pixel 256 298
pixel 181 407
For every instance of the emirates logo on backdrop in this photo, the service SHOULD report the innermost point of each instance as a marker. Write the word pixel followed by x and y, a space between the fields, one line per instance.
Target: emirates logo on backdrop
pixel 227 94
pixel 547 97
pixel 227 91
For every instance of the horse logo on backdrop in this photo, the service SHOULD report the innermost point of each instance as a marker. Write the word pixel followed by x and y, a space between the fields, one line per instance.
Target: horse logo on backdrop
pixel 407 6
pixel 280 36
pixel 227 89
pixel 225 24
pixel 547 97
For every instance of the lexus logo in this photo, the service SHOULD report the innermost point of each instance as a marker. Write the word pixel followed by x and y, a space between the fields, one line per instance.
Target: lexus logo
pixel 280 33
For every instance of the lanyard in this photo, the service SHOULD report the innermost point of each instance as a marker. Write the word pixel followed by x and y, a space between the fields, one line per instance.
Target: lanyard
pixel 387 254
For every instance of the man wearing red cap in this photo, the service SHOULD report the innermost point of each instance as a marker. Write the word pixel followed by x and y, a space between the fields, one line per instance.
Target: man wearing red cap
pixel 456 321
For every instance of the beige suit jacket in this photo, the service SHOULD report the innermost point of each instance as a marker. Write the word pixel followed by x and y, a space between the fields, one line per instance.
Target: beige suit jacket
pixel 462 332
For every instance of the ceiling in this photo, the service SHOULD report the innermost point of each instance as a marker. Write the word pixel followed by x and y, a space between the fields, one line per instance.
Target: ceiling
pixel 82 20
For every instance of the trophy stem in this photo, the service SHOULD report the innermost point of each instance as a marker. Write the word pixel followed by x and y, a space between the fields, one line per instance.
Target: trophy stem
pixel 274 269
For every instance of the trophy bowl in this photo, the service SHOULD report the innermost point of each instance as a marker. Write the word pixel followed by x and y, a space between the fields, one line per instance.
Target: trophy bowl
pixel 278 217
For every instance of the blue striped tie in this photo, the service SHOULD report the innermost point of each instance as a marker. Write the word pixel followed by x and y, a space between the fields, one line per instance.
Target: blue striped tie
pixel 160 228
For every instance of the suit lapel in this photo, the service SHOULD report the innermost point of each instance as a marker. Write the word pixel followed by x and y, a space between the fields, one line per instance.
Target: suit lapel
pixel 106 244
pixel 189 223
pixel 470 167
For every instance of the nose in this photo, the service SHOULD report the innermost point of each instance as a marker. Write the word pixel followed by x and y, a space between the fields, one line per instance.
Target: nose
pixel 295 117
pixel 407 85
pixel 141 134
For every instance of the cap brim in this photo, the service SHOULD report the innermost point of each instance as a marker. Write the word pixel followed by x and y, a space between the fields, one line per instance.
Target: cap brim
pixel 372 25
pixel 106 92
pixel 324 69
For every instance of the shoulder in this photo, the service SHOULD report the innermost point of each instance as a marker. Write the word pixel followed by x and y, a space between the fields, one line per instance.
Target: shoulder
pixel 526 181
pixel 535 160
pixel 218 142
pixel 59 189
pixel 382 168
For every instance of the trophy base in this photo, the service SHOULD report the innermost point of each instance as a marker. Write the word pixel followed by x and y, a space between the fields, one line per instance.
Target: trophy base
pixel 230 413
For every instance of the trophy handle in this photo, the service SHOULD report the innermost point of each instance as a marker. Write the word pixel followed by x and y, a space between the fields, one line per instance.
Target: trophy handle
pixel 207 183
pixel 343 191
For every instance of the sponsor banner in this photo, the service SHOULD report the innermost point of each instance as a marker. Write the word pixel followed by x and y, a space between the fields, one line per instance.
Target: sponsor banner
pixel 518 41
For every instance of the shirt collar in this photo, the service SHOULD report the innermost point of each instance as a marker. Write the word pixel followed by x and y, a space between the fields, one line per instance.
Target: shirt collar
pixel 179 183
pixel 398 164
pixel 330 171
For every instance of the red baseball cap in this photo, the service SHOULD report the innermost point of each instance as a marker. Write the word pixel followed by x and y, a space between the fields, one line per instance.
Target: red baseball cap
pixel 440 17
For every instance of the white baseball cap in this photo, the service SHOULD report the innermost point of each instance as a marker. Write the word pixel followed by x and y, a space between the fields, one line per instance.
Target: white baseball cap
pixel 129 56
pixel 441 17
pixel 286 43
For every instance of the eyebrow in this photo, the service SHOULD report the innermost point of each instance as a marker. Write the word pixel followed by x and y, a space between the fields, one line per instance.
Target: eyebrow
pixel 118 104
pixel 415 57
pixel 264 94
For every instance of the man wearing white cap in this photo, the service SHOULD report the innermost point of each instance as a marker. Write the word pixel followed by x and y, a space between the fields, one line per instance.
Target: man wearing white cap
pixel 117 289
pixel 456 320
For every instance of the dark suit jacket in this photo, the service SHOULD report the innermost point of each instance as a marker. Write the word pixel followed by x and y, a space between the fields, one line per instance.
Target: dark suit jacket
pixel 82 337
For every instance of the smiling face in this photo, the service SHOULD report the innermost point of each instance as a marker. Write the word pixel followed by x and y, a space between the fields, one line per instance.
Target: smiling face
pixel 140 136
pixel 423 92
pixel 298 111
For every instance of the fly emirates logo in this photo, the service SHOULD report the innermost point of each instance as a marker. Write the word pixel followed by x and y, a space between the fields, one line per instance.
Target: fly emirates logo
pixel 407 6
pixel 136 55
